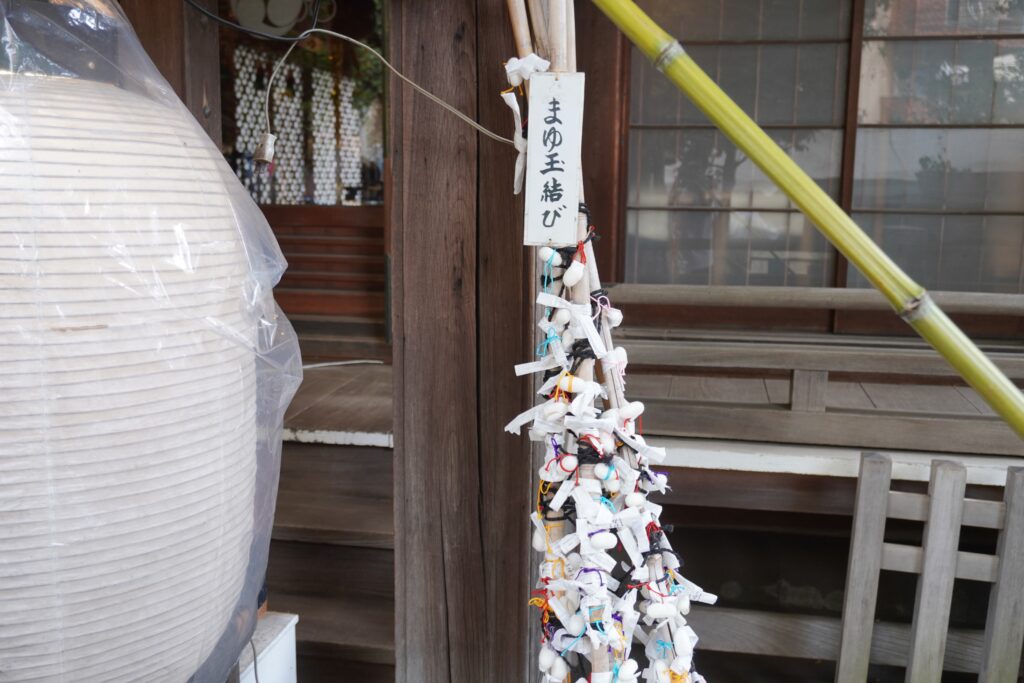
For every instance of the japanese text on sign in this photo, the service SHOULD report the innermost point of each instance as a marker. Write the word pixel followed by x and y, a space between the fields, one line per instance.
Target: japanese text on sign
pixel 553 158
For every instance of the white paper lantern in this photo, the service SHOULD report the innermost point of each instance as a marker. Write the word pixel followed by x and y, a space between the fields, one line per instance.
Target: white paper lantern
pixel 128 416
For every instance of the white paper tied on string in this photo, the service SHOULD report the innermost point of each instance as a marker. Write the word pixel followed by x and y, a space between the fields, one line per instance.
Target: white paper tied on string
pixel 517 71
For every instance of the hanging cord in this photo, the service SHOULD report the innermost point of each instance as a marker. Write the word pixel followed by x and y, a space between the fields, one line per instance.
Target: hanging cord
pixel 341 36
pixel 255 661
pixel 194 4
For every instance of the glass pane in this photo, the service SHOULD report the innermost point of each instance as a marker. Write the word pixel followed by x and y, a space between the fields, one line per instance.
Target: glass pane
pixel 699 167
pixel 950 253
pixel 741 19
pixel 711 20
pixel 942 81
pixel 726 248
pixel 775 84
pixel 949 17
pixel 654 100
pixel 940 169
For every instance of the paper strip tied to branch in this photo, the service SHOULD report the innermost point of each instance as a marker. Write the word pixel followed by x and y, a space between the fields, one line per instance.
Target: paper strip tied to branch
pixel 609 576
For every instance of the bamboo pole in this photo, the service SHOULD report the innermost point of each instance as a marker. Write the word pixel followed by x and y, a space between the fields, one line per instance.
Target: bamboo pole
pixel 520 27
pixel 557 36
pixel 563 55
pixel 539 22
pixel 907 298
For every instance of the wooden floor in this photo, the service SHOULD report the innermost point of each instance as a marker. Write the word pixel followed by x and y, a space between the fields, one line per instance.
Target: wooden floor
pixel 342 405
pixel 332 553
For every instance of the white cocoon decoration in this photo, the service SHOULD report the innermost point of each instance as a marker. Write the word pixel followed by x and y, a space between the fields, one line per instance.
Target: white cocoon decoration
pixel 128 369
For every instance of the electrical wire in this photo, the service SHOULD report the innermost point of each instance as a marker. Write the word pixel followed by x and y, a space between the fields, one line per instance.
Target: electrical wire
pixel 255 661
pixel 341 36
pixel 194 4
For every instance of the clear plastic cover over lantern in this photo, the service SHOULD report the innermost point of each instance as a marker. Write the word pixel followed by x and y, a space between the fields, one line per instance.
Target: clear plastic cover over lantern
pixel 144 366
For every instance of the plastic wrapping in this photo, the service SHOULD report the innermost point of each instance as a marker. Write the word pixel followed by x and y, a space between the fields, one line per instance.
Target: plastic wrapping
pixel 144 366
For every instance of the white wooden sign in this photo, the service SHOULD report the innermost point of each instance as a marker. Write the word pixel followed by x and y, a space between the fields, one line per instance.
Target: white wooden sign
pixel 553 158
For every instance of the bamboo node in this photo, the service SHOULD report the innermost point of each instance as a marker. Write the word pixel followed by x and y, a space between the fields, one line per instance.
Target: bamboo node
pixel 917 307
pixel 668 54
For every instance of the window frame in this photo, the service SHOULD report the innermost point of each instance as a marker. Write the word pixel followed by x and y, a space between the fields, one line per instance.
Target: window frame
pixel 615 182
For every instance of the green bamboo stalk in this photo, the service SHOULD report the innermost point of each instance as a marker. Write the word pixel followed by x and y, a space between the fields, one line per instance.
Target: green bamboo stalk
pixel 909 299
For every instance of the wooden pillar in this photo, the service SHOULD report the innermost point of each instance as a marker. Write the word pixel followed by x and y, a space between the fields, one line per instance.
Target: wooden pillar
pixel 461 485
pixel 185 46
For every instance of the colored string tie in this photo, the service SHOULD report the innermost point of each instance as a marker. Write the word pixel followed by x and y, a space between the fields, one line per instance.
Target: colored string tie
pixel 570 645
pixel 581 251
pixel 589 570
pixel 665 647
pixel 602 304
pixel 551 338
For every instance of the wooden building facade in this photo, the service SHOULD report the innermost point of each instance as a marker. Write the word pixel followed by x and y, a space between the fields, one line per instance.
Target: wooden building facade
pixel 765 365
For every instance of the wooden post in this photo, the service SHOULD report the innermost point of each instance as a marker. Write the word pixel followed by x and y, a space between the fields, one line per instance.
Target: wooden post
pixel 442 622
pixel 1004 632
pixel 863 568
pixel 462 537
pixel 935 584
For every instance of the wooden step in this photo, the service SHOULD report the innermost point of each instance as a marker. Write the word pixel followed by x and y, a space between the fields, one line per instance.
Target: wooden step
pixel 330 302
pixel 352 628
pixel 316 668
pixel 335 495
pixel 338 325
pixel 326 348
pixel 344 597
pixel 353 398
pixel 331 244
pixel 333 217
pixel 363 231
pixel 330 572
pixel 334 520
pixel 337 263
pixel 305 279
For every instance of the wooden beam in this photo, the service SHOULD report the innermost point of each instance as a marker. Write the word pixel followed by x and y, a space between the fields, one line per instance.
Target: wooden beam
pixel 668 417
pixel 800 356
pixel 807 297
pixel 967 565
pixel 798 636
pixel 987 514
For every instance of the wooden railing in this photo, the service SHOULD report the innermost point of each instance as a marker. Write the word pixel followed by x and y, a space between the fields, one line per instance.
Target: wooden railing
pixel 812 388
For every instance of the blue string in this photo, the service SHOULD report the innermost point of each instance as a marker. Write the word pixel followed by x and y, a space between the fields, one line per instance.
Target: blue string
pixel 608 504
pixel 569 647
pixel 664 645
pixel 542 348
pixel 615 672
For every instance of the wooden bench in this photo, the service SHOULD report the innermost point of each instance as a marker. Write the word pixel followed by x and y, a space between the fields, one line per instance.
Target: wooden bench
pixel 938 563
pixel 929 645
